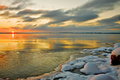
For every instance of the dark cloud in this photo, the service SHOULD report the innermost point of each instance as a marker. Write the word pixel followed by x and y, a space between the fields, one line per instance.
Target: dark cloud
pixel 84 15
pixel 19 4
pixel 55 14
pixel 60 16
pixel 100 5
pixel 29 19
pixel 29 12
pixel 84 18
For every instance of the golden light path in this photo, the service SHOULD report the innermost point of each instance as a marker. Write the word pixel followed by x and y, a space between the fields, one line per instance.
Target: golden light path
pixel 13 34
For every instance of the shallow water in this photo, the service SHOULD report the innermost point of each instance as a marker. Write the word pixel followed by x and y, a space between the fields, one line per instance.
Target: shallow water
pixel 24 55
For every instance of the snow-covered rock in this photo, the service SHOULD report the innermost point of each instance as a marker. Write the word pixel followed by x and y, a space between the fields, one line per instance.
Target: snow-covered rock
pixel 105 68
pixel 66 67
pixel 69 66
pixel 96 53
pixel 103 49
pixel 86 51
pixel 102 77
pixel 79 65
pixel 116 51
pixel 105 54
pixel 90 68
pixel 69 76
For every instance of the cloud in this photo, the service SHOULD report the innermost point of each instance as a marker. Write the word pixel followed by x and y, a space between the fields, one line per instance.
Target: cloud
pixel 57 16
pixel 84 15
pixel 18 7
pixel 6 13
pixel 29 12
pixel 110 23
pixel 70 28
pixel 111 20
pixel 3 7
pixel 100 5
pixel 60 16
pixel 29 19
pixel 19 4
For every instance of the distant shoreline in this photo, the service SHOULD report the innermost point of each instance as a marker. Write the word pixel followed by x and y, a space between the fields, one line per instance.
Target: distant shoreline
pixel 60 33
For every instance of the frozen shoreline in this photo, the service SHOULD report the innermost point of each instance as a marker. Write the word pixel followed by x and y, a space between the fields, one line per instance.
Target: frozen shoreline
pixel 96 62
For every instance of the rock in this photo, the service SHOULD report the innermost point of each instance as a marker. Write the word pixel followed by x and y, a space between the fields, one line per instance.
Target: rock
pixel 116 51
pixel 101 77
pixel 90 68
pixel 115 57
pixel 117 45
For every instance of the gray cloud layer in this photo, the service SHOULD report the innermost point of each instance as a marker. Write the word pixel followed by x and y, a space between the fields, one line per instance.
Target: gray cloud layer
pixel 29 12
pixel 100 5
pixel 61 16
pixel 19 4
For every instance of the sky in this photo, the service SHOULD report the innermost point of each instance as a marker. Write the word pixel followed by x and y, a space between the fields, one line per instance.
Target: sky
pixel 60 15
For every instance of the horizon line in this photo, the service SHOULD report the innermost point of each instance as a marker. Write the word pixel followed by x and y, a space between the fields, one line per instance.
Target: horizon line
pixel 60 32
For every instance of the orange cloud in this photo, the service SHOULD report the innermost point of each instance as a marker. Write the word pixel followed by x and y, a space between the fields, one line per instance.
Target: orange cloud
pixel 2 7
pixel 114 29
pixel 17 30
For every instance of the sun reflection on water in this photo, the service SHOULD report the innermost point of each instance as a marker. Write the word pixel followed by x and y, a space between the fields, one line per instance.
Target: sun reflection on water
pixel 13 36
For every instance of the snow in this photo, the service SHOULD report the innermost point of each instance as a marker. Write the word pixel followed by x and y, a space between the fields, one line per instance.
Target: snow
pixel 102 77
pixel 69 76
pixel 116 45
pixel 116 51
pixel 90 68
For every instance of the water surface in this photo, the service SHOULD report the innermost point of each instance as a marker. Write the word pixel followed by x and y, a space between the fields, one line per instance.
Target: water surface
pixel 24 55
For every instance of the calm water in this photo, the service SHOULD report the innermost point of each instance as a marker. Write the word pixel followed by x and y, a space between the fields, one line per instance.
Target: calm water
pixel 24 55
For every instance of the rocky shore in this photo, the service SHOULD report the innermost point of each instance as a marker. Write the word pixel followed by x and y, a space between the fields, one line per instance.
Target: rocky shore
pixel 95 66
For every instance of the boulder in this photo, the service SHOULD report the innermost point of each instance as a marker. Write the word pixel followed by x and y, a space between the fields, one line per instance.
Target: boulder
pixel 115 57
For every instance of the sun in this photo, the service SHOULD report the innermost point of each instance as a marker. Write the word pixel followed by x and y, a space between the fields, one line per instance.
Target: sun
pixel 13 32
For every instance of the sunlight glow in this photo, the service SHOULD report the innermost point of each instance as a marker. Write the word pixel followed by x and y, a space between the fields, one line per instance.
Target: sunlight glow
pixel 13 32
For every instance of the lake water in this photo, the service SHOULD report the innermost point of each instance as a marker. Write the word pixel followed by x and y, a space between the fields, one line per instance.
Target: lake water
pixel 25 55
